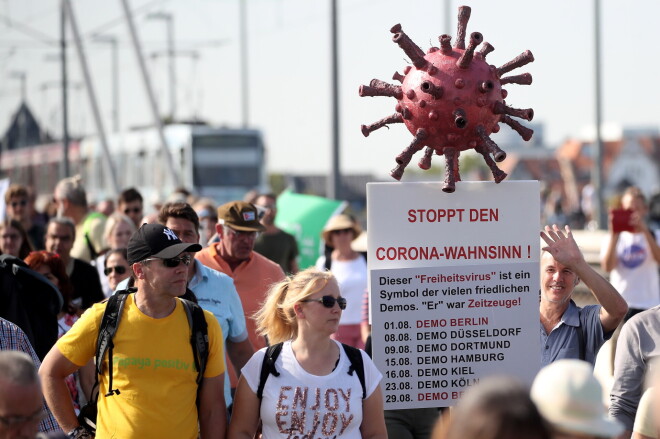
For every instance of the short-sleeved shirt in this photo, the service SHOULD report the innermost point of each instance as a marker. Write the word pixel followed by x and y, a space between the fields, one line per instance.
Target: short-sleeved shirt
pixel 280 247
pixel 563 341
pixel 153 369
pixel 635 275
pixel 216 293
pixel 636 350
pixel 299 404
pixel 93 225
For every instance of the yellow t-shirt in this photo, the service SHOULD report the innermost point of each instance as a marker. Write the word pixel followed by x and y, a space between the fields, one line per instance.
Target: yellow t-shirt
pixel 153 369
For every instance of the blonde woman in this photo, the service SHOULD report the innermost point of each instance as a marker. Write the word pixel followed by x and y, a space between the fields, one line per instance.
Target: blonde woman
pixel 118 230
pixel 309 391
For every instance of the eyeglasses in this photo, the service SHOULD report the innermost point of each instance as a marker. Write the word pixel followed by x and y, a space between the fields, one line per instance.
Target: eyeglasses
pixel 329 301
pixel 11 421
pixel 242 234
pixel 119 269
pixel 130 210
pixel 340 231
pixel 172 262
pixel 21 203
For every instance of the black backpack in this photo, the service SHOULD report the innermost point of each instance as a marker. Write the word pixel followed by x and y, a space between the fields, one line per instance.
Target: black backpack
pixel 268 366
pixel 30 301
pixel 199 342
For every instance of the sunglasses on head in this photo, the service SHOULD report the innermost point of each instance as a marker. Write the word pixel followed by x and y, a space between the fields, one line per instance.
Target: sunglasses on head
pixel 329 301
pixel 119 269
pixel 172 262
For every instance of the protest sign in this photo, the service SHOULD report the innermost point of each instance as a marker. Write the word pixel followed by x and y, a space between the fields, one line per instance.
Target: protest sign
pixel 454 286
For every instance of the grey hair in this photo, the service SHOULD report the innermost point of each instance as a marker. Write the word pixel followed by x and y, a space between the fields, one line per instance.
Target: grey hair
pixel 71 188
pixel 18 368
pixel 63 221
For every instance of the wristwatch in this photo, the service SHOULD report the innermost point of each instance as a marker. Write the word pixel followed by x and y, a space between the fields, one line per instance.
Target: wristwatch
pixel 79 433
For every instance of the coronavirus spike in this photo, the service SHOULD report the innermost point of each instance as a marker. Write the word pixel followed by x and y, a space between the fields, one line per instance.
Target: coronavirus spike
pixel 524 58
pixel 451 169
pixel 525 133
pixel 490 146
pixel 464 61
pixel 413 51
pixel 432 89
pixel 395 118
pixel 463 18
pixel 398 77
pixel 498 174
pixel 425 161
pixel 445 44
pixel 380 88
pixel 500 108
pixel 524 79
pixel 404 158
pixel 486 48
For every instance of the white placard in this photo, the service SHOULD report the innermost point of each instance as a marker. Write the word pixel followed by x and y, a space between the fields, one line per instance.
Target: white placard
pixel 454 286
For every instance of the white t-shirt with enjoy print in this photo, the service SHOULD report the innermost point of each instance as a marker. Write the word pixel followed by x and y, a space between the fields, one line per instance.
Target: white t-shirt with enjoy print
pixel 300 405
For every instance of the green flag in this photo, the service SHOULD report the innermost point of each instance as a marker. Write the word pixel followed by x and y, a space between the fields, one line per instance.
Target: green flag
pixel 304 217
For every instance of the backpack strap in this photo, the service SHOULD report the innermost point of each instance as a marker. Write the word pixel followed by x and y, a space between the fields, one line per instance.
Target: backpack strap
pixel 357 365
pixel 268 367
pixel 199 338
pixel 109 325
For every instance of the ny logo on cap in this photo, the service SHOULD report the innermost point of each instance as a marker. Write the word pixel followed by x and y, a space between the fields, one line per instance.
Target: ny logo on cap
pixel 171 236
pixel 248 216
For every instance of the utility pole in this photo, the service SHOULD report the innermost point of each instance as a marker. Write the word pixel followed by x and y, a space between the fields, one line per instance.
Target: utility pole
pixel 65 171
pixel 243 41
pixel 599 213
pixel 169 21
pixel 112 176
pixel 115 76
pixel 169 161
pixel 333 185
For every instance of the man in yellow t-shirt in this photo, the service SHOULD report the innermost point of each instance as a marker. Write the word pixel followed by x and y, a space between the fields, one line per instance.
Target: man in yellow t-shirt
pixel 153 374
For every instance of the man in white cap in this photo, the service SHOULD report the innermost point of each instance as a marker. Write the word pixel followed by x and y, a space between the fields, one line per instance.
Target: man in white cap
pixel 569 397
pixel 155 387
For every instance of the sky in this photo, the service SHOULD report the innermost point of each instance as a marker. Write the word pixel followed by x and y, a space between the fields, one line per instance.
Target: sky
pixel 289 77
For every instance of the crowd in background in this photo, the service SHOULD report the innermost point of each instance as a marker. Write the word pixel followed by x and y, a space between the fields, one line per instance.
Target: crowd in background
pixel 79 252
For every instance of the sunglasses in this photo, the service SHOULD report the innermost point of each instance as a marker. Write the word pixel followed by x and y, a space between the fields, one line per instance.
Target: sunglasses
pixel 132 210
pixel 119 269
pixel 22 203
pixel 340 231
pixel 329 301
pixel 172 262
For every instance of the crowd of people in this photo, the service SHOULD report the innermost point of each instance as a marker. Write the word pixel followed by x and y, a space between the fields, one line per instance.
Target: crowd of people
pixel 212 330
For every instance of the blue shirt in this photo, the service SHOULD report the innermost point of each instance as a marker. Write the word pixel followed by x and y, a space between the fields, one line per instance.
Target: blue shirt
pixel 215 292
pixel 563 341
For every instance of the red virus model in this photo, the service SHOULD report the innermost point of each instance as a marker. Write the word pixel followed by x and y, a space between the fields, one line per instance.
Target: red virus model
pixel 451 100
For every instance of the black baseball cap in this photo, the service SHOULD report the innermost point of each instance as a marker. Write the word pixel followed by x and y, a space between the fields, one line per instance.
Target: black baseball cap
pixel 156 241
